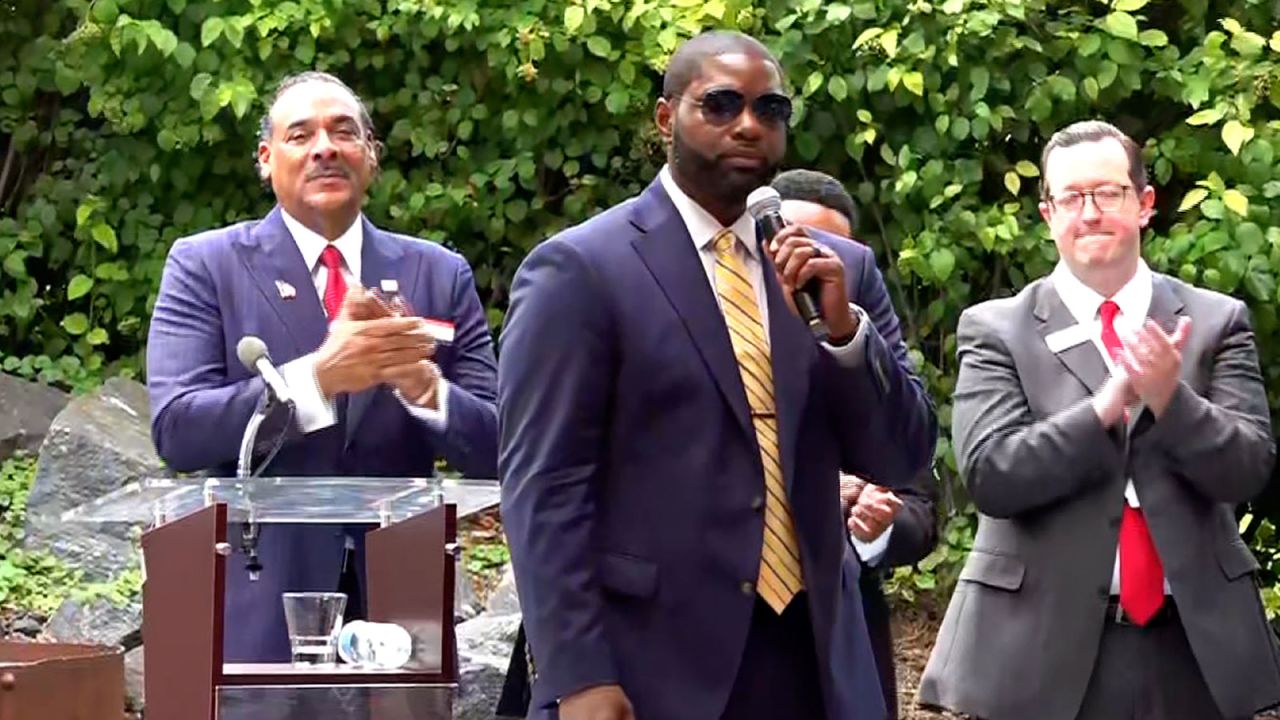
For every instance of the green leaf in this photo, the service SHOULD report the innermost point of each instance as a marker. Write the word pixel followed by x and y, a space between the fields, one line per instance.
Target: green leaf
pixel 1012 182
pixel 1130 5
pixel 599 46
pixel 105 236
pixel 1090 87
pixel 1090 45
pixel 1194 197
pixel 812 84
pixel 65 79
pixel 1026 168
pixel 96 336
pixel 211 30
pixel 184 54
pixel 234 33
pixel 616 102
pixel 867 36
pixel 105 11
pixel 1207 116
pixel 838 13
pixel 889 41
pixel 1275 41
pixel 837 87
pixel 942 261
pixel 914 82
pixel 953 7
pixel 164 40
pixel 1236 135
pixel 1236 202
pixel 1153 38
pixel 1107 72
pixel 573 17
pixel 79 286
pixel 980 78
pixel 75 323
pixel 1122 25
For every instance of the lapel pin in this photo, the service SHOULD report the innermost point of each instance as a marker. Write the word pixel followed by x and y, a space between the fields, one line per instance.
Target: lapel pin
pixel 286 290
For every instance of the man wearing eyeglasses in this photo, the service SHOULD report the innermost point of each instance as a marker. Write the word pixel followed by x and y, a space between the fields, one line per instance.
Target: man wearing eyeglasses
pixel 1107 421
pixel 671 433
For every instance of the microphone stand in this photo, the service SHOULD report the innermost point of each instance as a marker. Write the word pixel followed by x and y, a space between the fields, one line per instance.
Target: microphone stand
pixel 244 471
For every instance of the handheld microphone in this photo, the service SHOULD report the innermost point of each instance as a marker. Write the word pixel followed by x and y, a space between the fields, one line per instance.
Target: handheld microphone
pixel 765 205
pixel 253 355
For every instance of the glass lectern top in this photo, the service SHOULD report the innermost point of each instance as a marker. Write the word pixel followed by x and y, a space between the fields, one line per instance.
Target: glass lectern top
pixel 287 499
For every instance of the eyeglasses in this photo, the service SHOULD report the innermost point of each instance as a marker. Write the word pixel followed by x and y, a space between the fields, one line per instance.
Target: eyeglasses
pixel 722 106
pixel 1106 198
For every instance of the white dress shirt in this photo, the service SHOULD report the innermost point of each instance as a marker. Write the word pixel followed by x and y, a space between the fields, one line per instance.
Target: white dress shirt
pixel 1083 302
pixel 313 410
pixel 703 228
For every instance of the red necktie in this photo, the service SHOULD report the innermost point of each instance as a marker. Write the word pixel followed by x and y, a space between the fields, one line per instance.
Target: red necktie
pixel 1141 575
pixel 335 287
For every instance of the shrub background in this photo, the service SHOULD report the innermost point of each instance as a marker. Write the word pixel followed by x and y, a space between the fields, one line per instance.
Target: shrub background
pixel 125 124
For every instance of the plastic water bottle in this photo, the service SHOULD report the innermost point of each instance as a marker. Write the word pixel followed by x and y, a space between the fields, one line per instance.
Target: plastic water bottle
pixel 380 646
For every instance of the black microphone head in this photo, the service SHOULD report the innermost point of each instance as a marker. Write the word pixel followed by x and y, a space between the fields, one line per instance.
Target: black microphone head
pixel 250 350
pixel 762 201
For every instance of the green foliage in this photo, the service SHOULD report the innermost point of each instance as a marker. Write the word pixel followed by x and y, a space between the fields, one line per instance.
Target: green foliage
pixel 129 123
pixel 29 581
pixel 486 558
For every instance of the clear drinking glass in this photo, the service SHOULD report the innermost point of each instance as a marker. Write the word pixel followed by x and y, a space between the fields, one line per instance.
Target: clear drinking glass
pixel 314 620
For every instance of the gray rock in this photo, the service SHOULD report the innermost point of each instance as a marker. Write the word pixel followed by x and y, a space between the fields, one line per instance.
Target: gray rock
pixel 488 638
pixel 97 622
pixel 97 444
pixel 466 604
pixel 28 626
pixel 26 411
pixel 479 687
pixel 504 600
pixel 133 686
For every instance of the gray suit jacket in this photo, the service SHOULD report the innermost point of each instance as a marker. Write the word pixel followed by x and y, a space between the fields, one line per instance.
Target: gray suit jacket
pixel 1022 630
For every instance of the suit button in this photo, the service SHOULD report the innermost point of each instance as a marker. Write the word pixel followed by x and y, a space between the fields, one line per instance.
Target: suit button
pixel 1104 592
pixel 757 502
pixel 748 588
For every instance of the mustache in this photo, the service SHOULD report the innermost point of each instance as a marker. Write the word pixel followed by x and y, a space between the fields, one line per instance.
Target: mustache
pixel 328 171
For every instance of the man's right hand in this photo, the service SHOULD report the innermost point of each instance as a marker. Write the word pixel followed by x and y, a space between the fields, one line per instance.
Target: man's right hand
pixel 603 702
pixel 365 341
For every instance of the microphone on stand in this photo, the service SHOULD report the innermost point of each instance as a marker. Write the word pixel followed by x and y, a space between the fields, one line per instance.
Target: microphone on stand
pixel 765 205
pixel 252 352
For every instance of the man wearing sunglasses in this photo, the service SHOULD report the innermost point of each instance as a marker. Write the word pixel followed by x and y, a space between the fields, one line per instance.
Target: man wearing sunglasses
pixel 672 434
pixel 1107 421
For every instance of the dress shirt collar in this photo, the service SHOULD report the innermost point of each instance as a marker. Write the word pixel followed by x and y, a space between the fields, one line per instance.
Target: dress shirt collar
pixel 311 243
pixel 1134 298
pixel 702 226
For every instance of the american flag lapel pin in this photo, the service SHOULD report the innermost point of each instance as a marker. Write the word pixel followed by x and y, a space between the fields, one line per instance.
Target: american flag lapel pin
pixel 286 290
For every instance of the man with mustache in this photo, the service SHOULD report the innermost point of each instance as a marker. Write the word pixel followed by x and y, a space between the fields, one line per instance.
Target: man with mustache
pixel 375 396
pixel 1107 421
pixel 672 433
pixel 888 529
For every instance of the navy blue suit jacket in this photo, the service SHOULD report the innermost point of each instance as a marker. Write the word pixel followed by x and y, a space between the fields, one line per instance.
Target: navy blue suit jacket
pixel 221 285
pixel 631 472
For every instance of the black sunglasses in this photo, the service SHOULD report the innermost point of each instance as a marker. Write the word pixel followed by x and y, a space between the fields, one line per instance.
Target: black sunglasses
pixel 722 106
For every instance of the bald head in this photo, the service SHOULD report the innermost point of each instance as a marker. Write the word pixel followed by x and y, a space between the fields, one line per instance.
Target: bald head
pixel 686 64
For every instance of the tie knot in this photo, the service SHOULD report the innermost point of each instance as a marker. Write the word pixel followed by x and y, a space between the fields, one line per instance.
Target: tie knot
pixel 723 242
pixel 1108 311
pixel 331 258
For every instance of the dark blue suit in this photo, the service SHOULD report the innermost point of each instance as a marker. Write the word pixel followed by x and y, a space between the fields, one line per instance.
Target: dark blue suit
pixel 221 285
pixel 631 476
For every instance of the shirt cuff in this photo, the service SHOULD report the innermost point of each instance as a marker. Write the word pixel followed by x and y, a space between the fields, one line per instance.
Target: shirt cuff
pixel 437 419
pixel 872 552
pixel 852 354
pixel 312 410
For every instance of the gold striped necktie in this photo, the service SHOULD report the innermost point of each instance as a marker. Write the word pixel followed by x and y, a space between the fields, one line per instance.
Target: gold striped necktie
pixel 781 575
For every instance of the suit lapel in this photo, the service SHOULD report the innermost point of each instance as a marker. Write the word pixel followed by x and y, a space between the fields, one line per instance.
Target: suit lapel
pixel 272 259
pixel 792 350
pixel 380 259
pixel 1082 359
pixel 666 249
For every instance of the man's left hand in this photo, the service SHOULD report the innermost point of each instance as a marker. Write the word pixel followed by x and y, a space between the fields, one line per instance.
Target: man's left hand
pixel 873 513
pixel 1153 361
pixel 418 383
pixel 797 259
